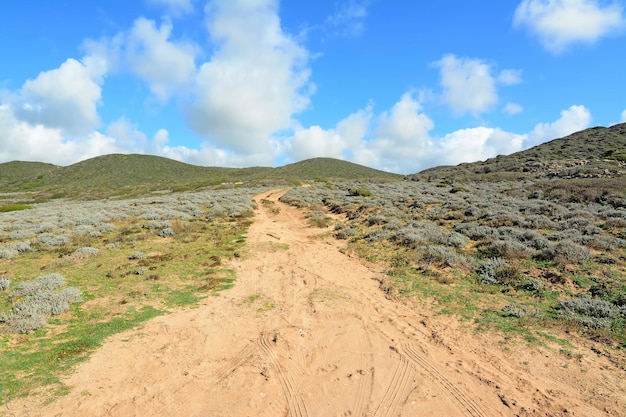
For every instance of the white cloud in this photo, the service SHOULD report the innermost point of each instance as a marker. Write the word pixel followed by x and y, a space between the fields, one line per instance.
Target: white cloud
pixel 128 139
pixel 65 98
pixel 623 118
pixel 35 142
pixel 468 86
pixel 512 108
pixel 404 122
pixel 354 127
pixel 165 65
pixel 573 119
pixel 560 23
pixel 401 137
pixel 174 7
pixel 510 77
pixel 475 144
pixel 316 142
pixel 256 80
pixel 348 19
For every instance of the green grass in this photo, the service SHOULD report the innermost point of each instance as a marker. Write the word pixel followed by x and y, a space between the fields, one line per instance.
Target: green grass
pixel 14 207
pixel 39 362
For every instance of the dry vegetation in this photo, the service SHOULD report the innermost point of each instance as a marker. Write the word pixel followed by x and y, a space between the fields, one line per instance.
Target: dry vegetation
pixel 73 273
pixel 532 246
pixel 499 254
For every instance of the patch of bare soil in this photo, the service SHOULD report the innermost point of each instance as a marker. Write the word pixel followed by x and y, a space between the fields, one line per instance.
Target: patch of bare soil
pixel 306 331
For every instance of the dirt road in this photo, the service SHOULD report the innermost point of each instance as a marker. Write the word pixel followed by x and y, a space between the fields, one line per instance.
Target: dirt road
pixel 306 331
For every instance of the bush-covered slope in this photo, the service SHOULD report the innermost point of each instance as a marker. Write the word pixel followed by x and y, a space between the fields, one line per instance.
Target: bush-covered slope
pixel 598 152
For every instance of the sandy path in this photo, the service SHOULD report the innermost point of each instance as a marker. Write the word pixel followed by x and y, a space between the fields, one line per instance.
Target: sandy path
pixel 306 331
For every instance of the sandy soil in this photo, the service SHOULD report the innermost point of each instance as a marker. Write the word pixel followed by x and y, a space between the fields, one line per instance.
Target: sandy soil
pixel 306 331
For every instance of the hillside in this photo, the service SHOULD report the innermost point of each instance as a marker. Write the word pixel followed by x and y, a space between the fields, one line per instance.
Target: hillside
pixel 119 174
pixel 598 152
pixel 24 174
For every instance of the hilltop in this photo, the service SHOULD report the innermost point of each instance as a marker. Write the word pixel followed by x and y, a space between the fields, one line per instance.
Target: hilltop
pixel 133 174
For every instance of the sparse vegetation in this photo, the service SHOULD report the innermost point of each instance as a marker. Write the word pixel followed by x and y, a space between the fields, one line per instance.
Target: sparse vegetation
pixel 518 244
pixel 489 245
pixel 106 266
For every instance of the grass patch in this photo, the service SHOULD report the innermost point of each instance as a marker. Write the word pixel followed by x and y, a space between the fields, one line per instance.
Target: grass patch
pixel 40 361
pixel 14 207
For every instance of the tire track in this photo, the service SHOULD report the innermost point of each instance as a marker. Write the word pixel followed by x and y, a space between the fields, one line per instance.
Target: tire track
pixel 397 391
pixel 295 404
pixel 235 362
pixel 472 408
pixel 366 382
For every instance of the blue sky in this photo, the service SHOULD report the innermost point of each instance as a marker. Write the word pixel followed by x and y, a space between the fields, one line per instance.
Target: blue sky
pixel 397 85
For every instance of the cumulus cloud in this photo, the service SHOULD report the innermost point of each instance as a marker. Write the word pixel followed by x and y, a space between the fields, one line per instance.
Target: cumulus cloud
pixel 65 98
pixel 24 141
pixel 469 85
pixel 315 142
pixel 256 80
pixel 174 7
pixel 475 144
pixel 572 120
pixel 561 23
pixel 623 118
pixel 165 65
pixel 512 108
pixel 401 137
pixel 148 52
pixel 128 138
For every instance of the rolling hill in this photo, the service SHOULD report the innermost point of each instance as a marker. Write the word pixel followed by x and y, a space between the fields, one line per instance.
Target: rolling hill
pixel 118 174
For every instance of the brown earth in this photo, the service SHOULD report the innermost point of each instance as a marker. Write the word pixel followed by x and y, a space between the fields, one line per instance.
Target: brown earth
pixel 306 331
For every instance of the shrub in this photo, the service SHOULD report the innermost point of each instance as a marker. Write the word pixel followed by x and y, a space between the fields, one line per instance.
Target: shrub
pixel 8 253
pixel 4 283
pixel 376 220
pixel 86 250
pixel 167 232
pixel 37 299
pixel 515 311
pixel 362 192
pixel 488 270
pixel 49 239
pixel 456 240
pixel 137 255
pixel 47 282
pixel 497 271
pixel 25 323
pixel 566 252
pixel 509 249
pixel 532 285
pixel 443 255
pixel 591 313
pixel 344 231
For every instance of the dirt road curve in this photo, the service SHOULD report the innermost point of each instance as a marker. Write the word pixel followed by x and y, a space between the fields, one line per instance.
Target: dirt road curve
pixel 306 331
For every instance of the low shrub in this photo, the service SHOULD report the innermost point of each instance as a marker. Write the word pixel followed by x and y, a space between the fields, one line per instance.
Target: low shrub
pixel 591 313
pixel 167 232
pixel 360 192
pixel 496 271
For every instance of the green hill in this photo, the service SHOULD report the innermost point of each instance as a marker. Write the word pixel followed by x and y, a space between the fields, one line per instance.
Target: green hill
pixel 25 175
pixel 119 174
